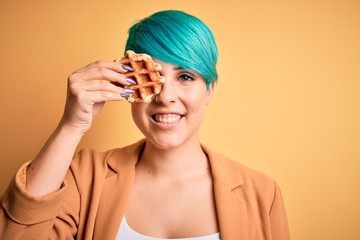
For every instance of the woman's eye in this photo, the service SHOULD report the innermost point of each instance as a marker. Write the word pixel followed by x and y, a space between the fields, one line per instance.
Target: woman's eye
pixel 185 77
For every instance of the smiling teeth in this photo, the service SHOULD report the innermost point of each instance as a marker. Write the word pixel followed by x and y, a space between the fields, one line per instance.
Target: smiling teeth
pixel 168 118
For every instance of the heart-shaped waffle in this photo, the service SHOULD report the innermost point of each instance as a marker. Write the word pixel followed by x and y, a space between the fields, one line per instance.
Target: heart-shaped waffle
pixel 146 74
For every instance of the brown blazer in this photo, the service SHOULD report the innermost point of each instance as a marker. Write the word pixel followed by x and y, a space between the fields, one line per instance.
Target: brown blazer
pixel 94 196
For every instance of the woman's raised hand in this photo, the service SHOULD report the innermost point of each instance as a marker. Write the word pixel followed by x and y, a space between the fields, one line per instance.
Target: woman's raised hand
pixel 88 90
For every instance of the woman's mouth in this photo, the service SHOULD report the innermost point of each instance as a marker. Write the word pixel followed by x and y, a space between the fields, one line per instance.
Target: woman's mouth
pixel 166 118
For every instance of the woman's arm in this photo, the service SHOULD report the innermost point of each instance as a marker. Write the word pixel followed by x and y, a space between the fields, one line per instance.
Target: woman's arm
pixel 88 89
pixel 38 194
pixel 278 218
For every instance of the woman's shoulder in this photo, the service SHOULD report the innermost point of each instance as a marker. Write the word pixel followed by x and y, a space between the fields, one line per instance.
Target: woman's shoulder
pixel 92 158
pixel 229 170
pixel 90 165
pixel 249 173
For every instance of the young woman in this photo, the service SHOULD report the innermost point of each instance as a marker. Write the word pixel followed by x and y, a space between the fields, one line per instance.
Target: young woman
pixel 166 186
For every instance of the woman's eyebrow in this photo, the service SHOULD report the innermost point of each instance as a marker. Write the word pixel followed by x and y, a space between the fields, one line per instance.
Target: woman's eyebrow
pixel 175 68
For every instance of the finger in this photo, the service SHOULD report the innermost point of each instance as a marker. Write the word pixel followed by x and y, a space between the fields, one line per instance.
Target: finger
pixel 96 72
pixel 81 89
pixel 106 96
pixel 100 85
pixel 115 66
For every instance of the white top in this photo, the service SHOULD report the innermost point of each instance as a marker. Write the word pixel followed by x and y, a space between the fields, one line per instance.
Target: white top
pixel 127 233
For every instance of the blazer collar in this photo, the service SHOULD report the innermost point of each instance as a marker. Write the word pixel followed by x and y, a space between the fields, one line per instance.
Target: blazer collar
pixel 222 168
pixel 229 197
pixel 126 158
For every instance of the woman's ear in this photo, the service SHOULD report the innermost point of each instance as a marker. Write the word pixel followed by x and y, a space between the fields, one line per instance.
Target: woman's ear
pixel 209 93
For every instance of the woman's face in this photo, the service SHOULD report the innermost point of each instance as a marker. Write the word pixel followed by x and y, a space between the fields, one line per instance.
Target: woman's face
pixel 174 119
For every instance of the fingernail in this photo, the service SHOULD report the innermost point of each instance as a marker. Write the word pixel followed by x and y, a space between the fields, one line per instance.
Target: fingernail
pixel 129 80
pixel 126 90
pixel 124 95
pixel 127 67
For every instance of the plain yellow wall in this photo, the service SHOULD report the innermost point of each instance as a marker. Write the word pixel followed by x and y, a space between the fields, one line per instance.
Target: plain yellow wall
pixel 287 102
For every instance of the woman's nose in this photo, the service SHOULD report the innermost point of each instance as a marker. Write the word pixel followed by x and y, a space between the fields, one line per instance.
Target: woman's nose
pixel 167 94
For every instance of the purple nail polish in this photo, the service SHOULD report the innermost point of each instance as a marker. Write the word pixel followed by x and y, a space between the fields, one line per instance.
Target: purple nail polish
pixel 127 67
pixel 131 81
pixel 124 95
pixel 127 90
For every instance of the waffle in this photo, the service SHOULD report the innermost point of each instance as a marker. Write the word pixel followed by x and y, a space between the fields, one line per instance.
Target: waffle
pixel 146 74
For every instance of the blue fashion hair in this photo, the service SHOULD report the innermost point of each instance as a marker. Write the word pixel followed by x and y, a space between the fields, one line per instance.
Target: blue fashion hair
pixel 177 38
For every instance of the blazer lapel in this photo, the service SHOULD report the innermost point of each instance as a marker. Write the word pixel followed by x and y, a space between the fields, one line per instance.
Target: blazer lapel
pixel 116 191
pixel 229 209
pixel 229 199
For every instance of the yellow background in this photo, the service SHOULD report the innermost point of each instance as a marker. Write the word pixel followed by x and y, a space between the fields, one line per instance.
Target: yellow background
pixel 287 102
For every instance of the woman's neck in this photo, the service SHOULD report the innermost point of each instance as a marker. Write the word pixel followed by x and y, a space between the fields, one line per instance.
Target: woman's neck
pixel 177 163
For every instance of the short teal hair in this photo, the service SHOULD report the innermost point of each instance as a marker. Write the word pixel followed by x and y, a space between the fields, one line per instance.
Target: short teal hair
pixel 178 38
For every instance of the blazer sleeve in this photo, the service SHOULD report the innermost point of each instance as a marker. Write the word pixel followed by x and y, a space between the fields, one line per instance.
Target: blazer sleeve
pixel 278 219
pixel 23 216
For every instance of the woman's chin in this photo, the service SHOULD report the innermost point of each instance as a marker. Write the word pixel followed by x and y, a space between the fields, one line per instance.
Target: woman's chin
pixel 163 144
pixel 166 143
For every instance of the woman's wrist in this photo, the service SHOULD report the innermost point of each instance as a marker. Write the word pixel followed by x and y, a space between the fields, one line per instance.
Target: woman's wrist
pixel 69 131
